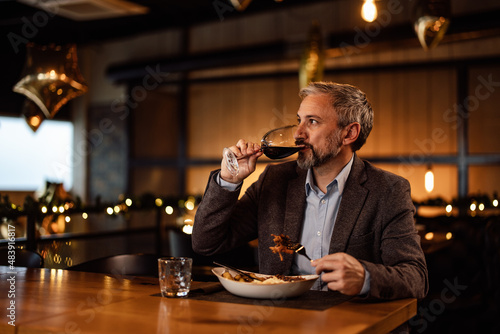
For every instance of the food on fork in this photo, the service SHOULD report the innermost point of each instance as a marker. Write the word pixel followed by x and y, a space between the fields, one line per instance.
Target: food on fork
pixel 281 245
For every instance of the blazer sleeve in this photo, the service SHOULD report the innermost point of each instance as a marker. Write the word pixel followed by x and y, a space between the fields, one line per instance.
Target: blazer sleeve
pixel 222 222
pixel 402 272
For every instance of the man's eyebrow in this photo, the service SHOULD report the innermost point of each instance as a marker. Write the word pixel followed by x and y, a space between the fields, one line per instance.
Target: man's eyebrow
pixel 310 116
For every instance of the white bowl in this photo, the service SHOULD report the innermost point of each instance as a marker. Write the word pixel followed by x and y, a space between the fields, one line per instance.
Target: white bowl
pixel 265 291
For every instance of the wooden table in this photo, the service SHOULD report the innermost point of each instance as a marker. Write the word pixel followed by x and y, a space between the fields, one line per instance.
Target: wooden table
pixel 60 301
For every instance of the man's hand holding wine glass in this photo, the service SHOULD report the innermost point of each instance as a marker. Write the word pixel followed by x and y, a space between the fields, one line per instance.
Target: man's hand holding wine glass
pixel 239 160
pixel 247 154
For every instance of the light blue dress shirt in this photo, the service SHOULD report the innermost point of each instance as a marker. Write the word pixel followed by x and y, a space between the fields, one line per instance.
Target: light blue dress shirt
pixel 319 221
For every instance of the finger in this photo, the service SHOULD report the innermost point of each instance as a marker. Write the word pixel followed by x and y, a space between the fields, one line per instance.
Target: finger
pixel 326 266
pixel 250 150
pixel 256 147
pixel 241 146
pixel 329 260
pixel 233 149
pixel 236 150
pixel 338 282
pixel 256 152
pixel 336 286
pixel 334 282
pixel 329 257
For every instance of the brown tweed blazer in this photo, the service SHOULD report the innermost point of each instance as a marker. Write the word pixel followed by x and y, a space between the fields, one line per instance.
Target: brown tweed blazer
pixel 375 224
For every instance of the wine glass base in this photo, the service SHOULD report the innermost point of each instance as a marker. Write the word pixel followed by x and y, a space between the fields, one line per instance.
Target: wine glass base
pixel 231 161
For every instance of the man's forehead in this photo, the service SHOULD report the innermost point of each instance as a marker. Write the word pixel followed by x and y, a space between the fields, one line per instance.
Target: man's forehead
pixel 316 106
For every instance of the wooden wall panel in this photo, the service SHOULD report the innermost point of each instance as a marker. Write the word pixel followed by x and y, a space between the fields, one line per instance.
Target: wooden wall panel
pixel 445 177
pixel 409 108
pixel 484 180
pixel 397 109
pixel 213 119
pixel 222 113
pixel 155 126
pixel 484 102
pixel 417 127
pixel 154 180
pixel 198 178
pixel 441 94
pixel 292 24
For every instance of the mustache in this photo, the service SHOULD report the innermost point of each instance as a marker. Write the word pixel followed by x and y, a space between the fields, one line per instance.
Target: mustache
pixel 300 142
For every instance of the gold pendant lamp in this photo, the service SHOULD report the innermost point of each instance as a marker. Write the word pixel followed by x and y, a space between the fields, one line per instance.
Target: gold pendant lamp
pixel 51 77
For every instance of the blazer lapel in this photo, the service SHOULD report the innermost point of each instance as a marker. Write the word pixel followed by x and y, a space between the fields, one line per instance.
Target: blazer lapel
pixel 295 208
pixel 352 202
pixel 295 205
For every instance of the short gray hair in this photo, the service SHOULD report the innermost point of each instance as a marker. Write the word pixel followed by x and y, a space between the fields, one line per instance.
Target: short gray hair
pixel 349 102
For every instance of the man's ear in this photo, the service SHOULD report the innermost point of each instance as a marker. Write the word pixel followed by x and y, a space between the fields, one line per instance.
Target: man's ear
pixel 352 133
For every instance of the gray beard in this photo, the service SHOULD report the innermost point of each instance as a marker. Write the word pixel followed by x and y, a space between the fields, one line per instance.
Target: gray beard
pixel 317 159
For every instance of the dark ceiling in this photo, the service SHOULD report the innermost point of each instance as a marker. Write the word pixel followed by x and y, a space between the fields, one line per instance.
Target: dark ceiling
pixel 20 23
pixel 162 14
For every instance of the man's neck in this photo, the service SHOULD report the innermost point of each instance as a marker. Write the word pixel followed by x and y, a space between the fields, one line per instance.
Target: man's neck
pixel 325 174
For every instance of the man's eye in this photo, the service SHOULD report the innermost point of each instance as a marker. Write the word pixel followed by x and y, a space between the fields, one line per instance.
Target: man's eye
pixel 313 121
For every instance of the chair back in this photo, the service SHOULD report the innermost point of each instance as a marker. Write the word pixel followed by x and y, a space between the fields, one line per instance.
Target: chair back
pixel 20 258
pixel 122 265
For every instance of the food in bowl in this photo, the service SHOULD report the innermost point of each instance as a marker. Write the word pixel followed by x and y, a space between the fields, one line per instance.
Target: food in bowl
pixel 289 286
pixel 275 279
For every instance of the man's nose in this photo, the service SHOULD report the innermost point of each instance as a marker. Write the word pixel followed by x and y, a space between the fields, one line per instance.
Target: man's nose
pixel 299 132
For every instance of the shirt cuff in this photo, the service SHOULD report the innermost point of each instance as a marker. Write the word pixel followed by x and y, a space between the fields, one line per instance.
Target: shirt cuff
pixel 227 185
pixel 366 285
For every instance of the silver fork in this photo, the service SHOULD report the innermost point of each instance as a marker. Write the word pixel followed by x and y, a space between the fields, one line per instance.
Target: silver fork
pixel 298 248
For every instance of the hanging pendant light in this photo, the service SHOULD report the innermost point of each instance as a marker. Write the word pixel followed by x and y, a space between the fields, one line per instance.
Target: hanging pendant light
pixel 240 5
pixel 32 114
pixel 429 179
pixel 312 60
pixel 51 77
pixel 432 18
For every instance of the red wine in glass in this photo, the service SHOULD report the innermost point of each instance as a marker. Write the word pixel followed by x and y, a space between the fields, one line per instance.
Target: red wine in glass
pixel 276 144
pixel 280 152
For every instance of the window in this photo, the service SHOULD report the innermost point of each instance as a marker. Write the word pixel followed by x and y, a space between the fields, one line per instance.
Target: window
pixel 29 159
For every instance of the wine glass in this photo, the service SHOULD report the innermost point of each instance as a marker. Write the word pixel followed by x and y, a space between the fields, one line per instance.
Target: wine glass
pixel 276 144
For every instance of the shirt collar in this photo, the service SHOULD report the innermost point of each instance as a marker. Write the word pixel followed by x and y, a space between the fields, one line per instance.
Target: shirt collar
pixel 341 178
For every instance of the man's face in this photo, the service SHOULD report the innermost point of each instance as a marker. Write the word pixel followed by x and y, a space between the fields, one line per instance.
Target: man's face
pixel 318 131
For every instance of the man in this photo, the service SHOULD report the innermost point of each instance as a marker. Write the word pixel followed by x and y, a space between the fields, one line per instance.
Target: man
pixel 354 219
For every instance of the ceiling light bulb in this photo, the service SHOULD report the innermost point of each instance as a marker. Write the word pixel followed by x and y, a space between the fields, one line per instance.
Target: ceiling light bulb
pixel 369 11
pixel 429 180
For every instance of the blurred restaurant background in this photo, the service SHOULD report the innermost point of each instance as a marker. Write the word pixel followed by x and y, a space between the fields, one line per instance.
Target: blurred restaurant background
pixel 139 98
